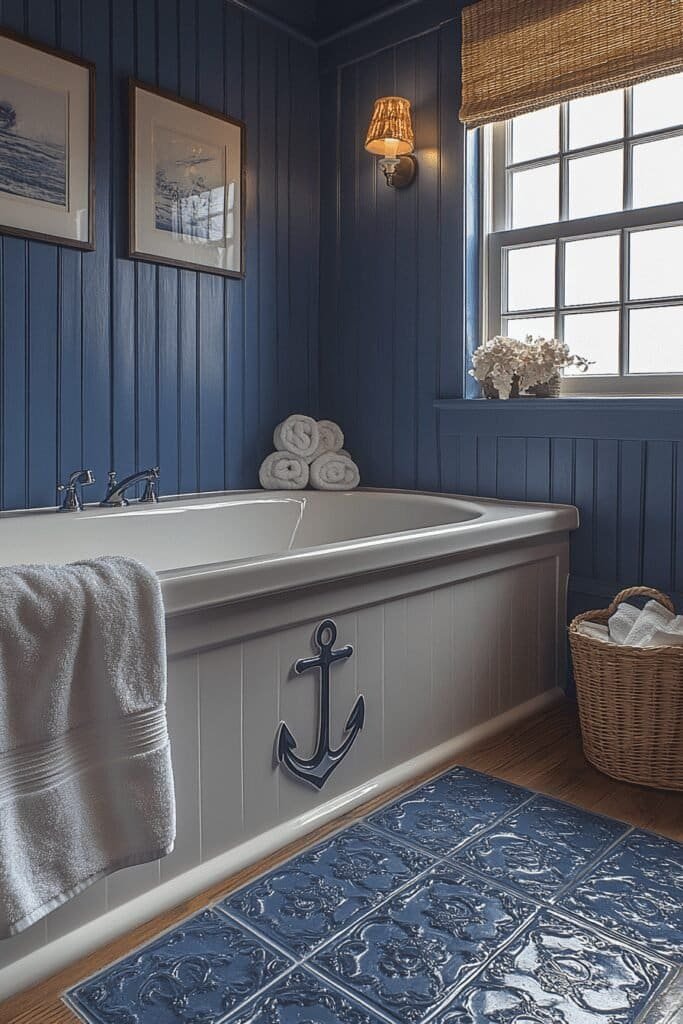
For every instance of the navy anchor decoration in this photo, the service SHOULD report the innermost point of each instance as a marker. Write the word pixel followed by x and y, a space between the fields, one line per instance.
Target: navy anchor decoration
pixel 317 768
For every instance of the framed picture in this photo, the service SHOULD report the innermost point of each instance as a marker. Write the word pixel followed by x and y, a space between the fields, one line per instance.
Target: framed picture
pixel 47 144
pixel 186 184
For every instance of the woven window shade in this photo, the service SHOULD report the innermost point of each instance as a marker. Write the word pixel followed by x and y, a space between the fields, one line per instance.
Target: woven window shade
pixel 520 55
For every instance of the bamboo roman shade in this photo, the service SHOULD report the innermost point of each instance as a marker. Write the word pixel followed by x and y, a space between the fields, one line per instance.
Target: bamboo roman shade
pixel 520 55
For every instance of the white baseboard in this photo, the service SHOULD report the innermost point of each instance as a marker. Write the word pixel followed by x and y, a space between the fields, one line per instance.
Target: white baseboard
pixel 56 955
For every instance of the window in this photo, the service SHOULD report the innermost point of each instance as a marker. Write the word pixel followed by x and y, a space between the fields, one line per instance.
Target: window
pixel 584 223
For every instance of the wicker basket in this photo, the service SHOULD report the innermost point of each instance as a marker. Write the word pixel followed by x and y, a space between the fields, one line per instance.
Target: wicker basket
pixel 630 703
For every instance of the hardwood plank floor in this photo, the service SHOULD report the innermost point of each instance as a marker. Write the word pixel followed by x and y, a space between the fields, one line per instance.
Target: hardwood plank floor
pixel 543 753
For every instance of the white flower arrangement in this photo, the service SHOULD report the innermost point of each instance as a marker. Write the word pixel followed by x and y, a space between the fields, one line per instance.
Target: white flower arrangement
pixel 515 366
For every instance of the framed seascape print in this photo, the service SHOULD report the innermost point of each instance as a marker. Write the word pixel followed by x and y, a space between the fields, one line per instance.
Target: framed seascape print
pixel 186 184
pixel 47 133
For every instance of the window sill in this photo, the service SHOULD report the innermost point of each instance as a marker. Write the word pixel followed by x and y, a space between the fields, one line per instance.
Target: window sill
pixel 654 403
pixel 614 419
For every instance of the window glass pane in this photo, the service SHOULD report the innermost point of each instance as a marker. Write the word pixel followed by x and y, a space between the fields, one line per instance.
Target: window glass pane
pixel 658 104
pixel 656 263
pixel 536 196
pixel 531 277
pixel 594 119
pixel 591 271
pixel 536 326
pixel 658 172
pixel 596 184
pixel 595 336
pixel 656 340
pixel 536 134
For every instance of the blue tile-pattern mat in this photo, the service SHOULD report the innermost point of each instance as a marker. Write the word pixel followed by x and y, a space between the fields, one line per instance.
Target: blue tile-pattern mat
pixel 467 901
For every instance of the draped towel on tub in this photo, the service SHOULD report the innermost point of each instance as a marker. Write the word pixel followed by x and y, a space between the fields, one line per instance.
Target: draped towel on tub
pixel 86 785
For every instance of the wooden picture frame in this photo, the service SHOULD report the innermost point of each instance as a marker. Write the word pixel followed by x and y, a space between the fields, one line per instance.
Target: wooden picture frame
pixel 47 143
pixel 186 184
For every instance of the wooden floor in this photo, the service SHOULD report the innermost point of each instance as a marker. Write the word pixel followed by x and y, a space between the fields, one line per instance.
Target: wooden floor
pixel 543 753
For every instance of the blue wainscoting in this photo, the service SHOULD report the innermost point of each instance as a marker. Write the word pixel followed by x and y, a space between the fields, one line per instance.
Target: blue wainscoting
pixel 108 362
pixel 620 462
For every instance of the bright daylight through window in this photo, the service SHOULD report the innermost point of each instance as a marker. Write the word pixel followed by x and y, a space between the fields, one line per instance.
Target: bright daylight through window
pixel 584 218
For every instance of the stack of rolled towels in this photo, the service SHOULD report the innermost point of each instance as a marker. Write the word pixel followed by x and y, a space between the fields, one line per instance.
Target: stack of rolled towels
pixel 653 626
pixel 308 451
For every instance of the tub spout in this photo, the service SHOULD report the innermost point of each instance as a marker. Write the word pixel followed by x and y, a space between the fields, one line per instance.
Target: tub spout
pixel 116 492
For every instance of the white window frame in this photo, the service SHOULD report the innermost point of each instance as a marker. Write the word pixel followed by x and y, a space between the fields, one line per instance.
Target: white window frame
pixel 498 236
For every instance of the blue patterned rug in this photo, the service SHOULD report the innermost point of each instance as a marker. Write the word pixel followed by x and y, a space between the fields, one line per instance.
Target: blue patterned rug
pixel 468 900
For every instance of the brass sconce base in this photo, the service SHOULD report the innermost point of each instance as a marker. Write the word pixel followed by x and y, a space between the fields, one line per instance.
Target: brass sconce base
pixel 400 172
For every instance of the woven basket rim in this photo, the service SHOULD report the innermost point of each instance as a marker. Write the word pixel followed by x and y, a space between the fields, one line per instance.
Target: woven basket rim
pixel 601 615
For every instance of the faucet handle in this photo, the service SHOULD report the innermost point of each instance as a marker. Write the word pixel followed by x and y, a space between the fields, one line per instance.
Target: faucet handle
pixel 149 495
pixel 72 502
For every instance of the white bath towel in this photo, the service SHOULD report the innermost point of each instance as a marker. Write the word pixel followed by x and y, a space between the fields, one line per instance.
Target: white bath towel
pixel 331 439
pixel 334 472
pixel 596 631
pixel 86 785
pixel 283 471
pixel 622 621
pixel 670 635
pixel 298 435
pixel 652 618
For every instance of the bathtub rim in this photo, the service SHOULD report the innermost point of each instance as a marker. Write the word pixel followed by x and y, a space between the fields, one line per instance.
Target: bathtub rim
pixel 193 588
pixel 188 589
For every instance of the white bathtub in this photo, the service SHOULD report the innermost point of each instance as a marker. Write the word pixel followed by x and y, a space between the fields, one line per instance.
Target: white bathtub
pixel 454 606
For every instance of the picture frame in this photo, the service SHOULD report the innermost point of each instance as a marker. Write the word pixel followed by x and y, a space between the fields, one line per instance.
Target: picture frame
pixel 47 143
pixel 186 182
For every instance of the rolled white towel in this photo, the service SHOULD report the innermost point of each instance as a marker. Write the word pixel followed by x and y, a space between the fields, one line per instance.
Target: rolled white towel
pixel 334 472
pixel 653 617
pixel 283 471
pixel 622 621
pixel 331 439
pixel 297 434
pixel 670 635
pixel 596 631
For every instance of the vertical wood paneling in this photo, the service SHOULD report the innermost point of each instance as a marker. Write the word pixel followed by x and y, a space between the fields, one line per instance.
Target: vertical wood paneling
pixel 538 468
pixel 184 729
pixel 42 373
pixel 397 725
pixel 404 418
pixel 659 510
pixel 220 730
pixel 677 553
pixel 14 377
pixel 370 675
pixel 391 266
pixel 262 679
pixel 111 362
pixel 583 542
pixel 431 318
pixel 627 492
pixel 630 502
pixel 97 305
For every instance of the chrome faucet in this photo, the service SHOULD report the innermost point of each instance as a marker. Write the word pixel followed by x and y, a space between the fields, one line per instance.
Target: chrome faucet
pixel 72 500
pixel 116 492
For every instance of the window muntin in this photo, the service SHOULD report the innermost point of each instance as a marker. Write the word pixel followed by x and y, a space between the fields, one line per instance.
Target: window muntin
pixel 585 239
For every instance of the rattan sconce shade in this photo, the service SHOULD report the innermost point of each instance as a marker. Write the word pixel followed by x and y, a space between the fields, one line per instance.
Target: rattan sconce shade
pixel 521 55
pixel 391 119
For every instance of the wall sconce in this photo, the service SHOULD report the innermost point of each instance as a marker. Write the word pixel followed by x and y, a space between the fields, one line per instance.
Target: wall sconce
pixel 390 135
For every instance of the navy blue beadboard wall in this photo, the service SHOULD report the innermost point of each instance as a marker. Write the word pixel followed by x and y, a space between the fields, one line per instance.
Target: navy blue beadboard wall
pixel 110 362
pixel 391 262
pixel 393 331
